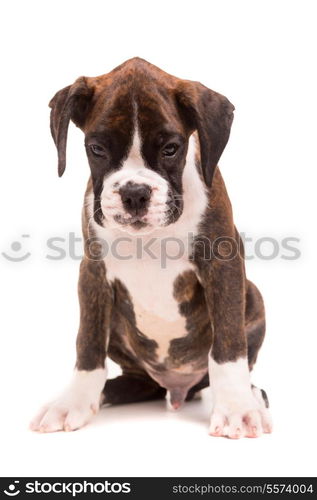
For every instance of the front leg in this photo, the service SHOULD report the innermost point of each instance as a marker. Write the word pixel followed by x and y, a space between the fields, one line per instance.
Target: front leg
pixel 81 400
pixel 236 411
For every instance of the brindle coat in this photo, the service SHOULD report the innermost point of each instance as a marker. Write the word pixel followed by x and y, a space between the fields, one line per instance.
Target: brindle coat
pixel 224 311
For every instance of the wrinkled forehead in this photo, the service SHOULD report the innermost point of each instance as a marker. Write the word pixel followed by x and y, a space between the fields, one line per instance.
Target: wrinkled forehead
pixel 119 113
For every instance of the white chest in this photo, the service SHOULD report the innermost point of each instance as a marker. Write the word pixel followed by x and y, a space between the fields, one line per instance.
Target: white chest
pixel 149 278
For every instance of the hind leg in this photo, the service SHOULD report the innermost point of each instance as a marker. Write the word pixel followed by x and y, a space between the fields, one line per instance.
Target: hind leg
pixel 262 399
pixel 132 388
pixel 255 330
pixel 254 322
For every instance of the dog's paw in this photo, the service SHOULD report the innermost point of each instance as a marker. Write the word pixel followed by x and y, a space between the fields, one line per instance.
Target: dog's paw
pixel 246 423
pixel 67 413
pixel 75 407
pixel 263 402
pixel 247 417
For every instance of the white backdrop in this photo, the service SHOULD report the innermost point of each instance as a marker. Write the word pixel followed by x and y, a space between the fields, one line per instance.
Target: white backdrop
pixel 261 55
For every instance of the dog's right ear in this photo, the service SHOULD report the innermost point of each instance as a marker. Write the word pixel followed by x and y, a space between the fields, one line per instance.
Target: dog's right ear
pixel 71 103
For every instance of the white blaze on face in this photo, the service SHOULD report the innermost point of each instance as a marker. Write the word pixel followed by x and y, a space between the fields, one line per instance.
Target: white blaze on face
pixel 134 170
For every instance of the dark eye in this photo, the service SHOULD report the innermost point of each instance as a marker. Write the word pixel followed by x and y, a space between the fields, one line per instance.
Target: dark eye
pixel 97 150
pixel 170 149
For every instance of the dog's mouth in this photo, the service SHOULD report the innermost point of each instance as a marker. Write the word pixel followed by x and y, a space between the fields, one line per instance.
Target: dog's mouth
pixel 134 221
pixel 140 214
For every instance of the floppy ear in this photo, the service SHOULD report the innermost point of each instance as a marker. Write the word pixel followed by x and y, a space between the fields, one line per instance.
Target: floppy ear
pixel 211 114
pixel 70 103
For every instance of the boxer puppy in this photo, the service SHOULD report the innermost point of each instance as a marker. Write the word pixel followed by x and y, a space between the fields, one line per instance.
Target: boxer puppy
pixel 162 285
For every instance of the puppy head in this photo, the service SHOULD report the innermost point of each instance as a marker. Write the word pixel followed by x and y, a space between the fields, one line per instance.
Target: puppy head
pixel 137 122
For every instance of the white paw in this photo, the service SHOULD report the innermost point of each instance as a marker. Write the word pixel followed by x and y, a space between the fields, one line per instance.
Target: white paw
pixel 247 417
pixel 67 413
pixel 75 407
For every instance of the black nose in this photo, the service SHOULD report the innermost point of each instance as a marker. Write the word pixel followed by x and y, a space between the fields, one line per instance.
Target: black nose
pixel 135 197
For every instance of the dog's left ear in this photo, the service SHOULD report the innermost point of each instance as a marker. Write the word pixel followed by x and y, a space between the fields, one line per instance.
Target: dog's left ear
pixel 70 103
pixel 209 113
